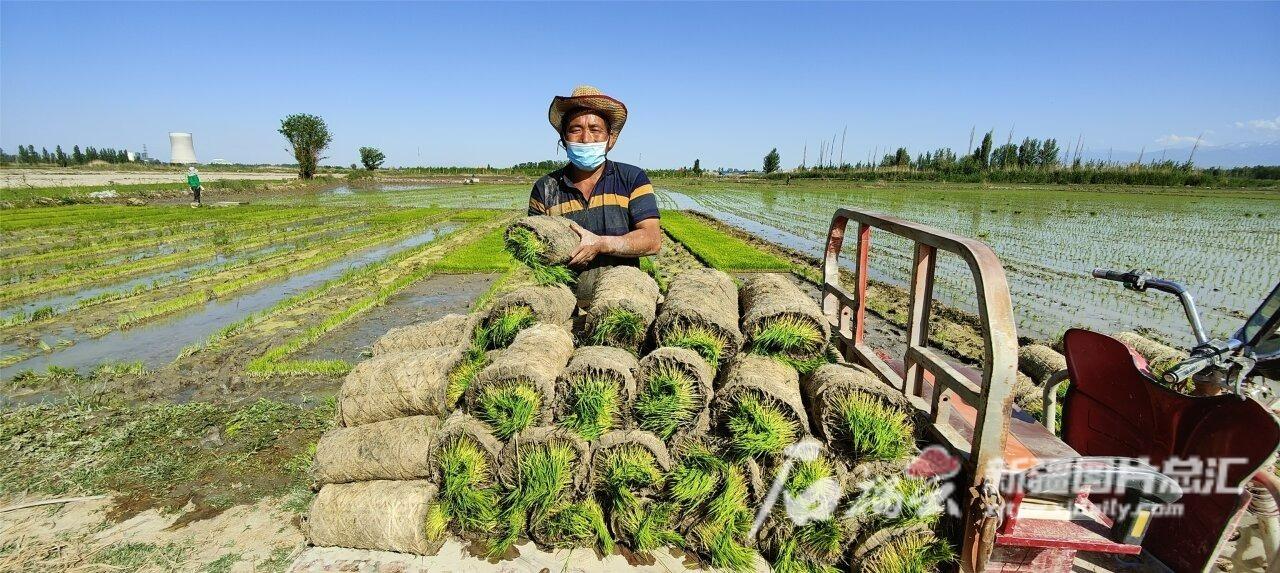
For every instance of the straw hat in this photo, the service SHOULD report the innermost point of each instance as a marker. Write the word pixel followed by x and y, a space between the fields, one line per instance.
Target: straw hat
pixel 591 98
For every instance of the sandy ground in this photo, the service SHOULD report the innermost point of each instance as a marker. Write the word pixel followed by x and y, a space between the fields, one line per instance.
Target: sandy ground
pixel 77 535
pixel 17 178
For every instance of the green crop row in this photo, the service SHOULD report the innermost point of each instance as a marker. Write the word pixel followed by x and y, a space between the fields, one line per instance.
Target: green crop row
pixel 717 248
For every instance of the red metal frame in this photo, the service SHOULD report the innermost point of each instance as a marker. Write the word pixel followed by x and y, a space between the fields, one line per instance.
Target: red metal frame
pixel 989 398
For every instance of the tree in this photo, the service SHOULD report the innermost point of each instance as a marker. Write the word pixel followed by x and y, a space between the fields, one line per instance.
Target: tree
pixel 1047 157
pixel 371 158
pixel 697 167
pixel 44 155
pixel 76 156
pixel 902 158
pixel 984 151
pixel 771 161
pixel 60 156
pixel 309 136
pixel 1005 156
pixel 1027 152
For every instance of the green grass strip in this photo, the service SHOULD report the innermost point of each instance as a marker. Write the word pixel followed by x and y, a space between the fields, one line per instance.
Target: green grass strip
pixel 481 256
pixel 718 249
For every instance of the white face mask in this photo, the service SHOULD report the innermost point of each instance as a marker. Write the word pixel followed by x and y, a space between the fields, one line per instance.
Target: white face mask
pixel 586 156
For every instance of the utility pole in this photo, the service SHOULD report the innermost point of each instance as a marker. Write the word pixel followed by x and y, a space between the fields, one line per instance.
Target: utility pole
pixel 804 157
pixel 1194 148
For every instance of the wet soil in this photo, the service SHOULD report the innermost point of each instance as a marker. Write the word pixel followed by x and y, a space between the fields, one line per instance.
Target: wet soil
pixel 423 301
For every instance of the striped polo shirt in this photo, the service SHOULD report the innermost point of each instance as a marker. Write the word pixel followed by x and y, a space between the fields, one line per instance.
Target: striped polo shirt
pixel 622 198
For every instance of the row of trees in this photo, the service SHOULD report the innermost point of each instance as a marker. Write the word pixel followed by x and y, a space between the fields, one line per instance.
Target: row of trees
pixel 27 155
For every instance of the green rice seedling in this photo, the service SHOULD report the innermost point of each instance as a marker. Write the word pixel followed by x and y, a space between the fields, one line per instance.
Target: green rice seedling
pixel 593 404
pixel 789 560
pixel 756 428
pixel 628 467
pixel 545 475
pixel 508 408
pixel 619 327
pixel 668 402
pixel 649 526
pixel 788 335
pixel 823 540
pixel 463 374
pixel 696 477
pixel 464 483
pixel 576 524
pixel 874 431
pixel 727 522
pixel 526 247
pixel 501 331
pixel 915 552
pixel 707 343
pixel 807 472
pixel 436 522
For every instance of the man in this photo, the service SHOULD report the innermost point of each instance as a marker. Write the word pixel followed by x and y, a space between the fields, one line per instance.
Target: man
pixel 193 179
pixel 611 204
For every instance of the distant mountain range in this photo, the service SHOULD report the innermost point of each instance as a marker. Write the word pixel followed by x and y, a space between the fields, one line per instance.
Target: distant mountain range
pixel 1225 155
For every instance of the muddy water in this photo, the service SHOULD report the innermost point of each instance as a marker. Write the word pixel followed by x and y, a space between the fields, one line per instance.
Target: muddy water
pixel 423 301
pixel 158 342
pixel 62 302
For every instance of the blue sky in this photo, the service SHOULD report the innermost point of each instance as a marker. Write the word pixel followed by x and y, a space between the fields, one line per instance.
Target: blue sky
pixel 450 84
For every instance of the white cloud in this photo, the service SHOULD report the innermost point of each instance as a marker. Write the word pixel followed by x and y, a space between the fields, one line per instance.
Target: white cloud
pixel 1174 139
pixel 1261 124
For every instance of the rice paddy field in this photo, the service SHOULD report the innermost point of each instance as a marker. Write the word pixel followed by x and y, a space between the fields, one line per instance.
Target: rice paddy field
pixel 186 360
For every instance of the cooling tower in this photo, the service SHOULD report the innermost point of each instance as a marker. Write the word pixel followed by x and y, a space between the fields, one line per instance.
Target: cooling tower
pixel 181 150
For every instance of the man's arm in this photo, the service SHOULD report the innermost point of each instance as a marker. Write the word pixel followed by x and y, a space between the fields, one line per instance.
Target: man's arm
pixel 645 240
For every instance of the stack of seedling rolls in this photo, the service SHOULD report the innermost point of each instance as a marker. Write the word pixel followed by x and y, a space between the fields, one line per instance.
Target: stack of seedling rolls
pixel 606 416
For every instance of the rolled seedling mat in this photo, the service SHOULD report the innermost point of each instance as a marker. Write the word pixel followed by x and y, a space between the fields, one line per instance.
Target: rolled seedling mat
pixel 386 515
pixel 1159 357
pixel 622 439
pixel 774 384
pixel 594 393
pixel 535 359
pixel 448 331
pixel 550 304
pixel 556 235
pixel 509 467
pixel 621 309
pixel 399 448
pixel 700 299
pixel 662 409
pixel 1040 362
pixel 462 426
pixel 866 555
pixel 588 527
pixel 773 301
pixel 1028 394
pixel 779 525
pixel 831 383
pixel 397 385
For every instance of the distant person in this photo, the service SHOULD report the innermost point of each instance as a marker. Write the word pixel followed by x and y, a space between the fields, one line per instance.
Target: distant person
pixel 611 204
pixel 193 179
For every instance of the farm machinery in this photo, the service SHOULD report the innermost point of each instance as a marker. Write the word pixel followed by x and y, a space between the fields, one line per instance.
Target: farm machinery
pixel 1137 469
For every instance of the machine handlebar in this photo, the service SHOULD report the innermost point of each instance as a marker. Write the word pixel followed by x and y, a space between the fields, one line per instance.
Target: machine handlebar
pixel 1140 281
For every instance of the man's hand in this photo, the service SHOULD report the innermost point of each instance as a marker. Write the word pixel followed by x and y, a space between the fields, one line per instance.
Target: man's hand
pixel 591 246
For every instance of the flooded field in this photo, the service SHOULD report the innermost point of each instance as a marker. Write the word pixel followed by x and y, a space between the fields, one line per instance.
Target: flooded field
pixel 1223 245
pixel 85 285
